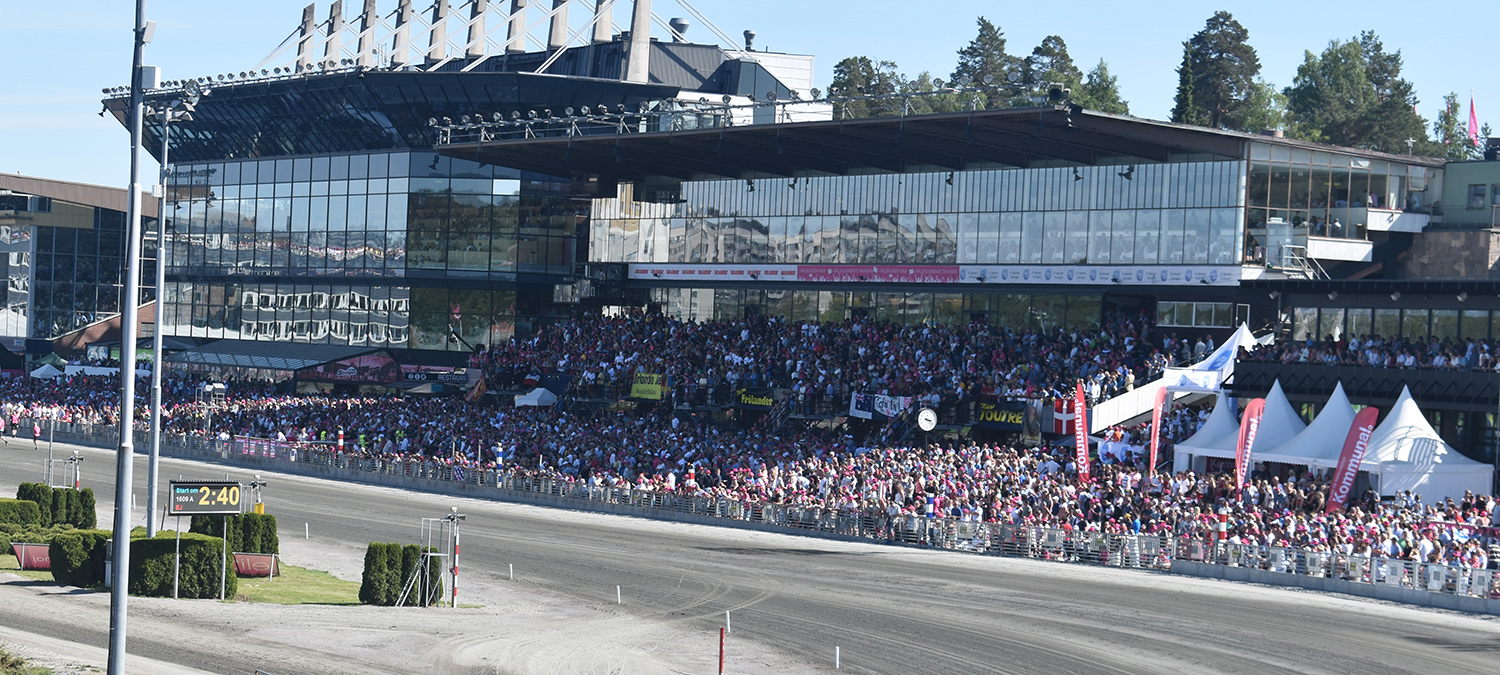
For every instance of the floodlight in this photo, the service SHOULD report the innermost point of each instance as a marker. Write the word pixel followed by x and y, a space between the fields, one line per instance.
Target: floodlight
pixel 569 111
pixel 770 96
pixel 497 117
pixel 989 79
pixel 816 94
pixel 727 99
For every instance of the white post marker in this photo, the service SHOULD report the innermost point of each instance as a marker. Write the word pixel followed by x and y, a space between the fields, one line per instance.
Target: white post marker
pixel 306 531
pixel 728 627
pixel 618 598
pixel 512 567
pixel 836 659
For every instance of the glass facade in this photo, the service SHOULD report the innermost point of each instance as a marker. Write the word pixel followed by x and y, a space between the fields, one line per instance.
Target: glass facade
pixel 60 279
pixel 1412 325
pixel 1325 194
pixel 1013 310
pixel 362 249
pixel 1186 213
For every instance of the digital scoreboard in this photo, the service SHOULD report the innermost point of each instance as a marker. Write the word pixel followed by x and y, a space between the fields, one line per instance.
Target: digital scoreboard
pixel 205 498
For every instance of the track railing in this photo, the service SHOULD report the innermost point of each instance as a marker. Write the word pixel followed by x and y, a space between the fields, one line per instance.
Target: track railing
pixel 1143 551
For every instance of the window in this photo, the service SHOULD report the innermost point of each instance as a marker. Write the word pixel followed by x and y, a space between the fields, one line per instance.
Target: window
pixel 1195 314
pixel 1476 196
pixel 1495 194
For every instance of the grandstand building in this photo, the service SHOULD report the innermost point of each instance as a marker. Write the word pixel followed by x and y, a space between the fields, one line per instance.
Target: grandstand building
pixel 307 203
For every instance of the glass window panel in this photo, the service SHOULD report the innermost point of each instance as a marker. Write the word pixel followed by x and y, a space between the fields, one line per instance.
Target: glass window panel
pixel 990 243
pixel 1054 237
pixel 1358 322
pixel 1195 237
pixel 1331 324
pixel 1075 247
pixel 1445 324
pixel 1475 324
pixel 1387 323
pixel 1031 237
pixel 1304 323
pixel 1166 313
pixel 944 241
pixel 1100 238
pixel 968 238
pixel 1147 236
pixel 1414 324
pixel 1122 248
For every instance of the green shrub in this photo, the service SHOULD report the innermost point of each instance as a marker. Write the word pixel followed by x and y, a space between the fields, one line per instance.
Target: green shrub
pixel 78 557
pixel 75 509
pixel 151 562
pixel 372 580
pixel 411 558
pixel 88 516
pixel 60 507
pixel 248 533
pixel 42 495
pixel 20 512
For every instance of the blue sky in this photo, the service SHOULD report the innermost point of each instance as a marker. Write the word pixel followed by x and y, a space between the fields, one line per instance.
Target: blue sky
pixel 57 64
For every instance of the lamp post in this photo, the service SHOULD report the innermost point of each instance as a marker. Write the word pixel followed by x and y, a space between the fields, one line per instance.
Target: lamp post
pixel 124 457
pixel 180 110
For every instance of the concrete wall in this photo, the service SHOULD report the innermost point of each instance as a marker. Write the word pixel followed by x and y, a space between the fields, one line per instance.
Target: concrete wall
pixel 1410 596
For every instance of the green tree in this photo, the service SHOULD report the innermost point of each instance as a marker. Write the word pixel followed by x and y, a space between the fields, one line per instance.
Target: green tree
pixel 1223 66
pixel 1450 133
pixel 859 76
pixel 985 57
pixel 1185 110
pixel 1101 91
pixel 925 95
pixel 1266 108
pixel 1050 62
pixel 1352 94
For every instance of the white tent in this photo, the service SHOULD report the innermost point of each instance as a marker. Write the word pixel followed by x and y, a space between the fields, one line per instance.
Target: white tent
pixel 1408 455
pixel 46 372
pixel 1221 423
pixel 538 397
pixel 1321 442
pixel 1278 424
pixel 1209 374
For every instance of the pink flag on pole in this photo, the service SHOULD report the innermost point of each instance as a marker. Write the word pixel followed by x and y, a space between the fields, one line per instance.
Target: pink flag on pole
pixel 1156 415
pixel 1249 425
pixel 1081 433
pixel 1473 122
pixel 1353 455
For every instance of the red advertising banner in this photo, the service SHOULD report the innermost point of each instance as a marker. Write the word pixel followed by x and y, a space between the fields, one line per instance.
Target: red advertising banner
pixel 1081 432
pixel 1353 455
pixel 257 565
pixel 33 556
pixel 1156 415
pixel 376 368
pixel 1249 425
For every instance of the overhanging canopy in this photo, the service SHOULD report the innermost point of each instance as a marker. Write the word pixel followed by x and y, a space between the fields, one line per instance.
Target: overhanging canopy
pixel 266 355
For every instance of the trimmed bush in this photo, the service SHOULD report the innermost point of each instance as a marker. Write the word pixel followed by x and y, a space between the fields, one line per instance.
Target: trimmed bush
pixel 151 567
pixel 372 580
pixel 248 533
pixel 411 558
pixel 60 507
pixel 20 512
pixel 78 557
pixel 87 517
pixel 42 495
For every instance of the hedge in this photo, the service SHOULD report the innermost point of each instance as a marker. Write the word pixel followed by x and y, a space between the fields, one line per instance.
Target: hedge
pixel 248 533
pixel 20 512
pixel 61 506
pixel 42 495
pixel 78 557
pixel 151 563
pixel 387 569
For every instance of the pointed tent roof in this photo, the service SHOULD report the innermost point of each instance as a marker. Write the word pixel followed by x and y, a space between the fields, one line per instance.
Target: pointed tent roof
pixel 1223 357
pixel 1278 424
pixel 1220 423
pixel 1322 441
pixel 1405 437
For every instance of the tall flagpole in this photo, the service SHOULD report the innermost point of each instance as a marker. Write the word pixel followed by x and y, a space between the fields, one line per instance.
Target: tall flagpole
pixel 124 457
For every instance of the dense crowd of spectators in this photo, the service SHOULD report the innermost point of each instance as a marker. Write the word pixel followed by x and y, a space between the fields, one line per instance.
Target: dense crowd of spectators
pixel 821 466
pixel 1374 350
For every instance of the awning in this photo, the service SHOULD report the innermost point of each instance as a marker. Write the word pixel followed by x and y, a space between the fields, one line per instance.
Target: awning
pixel 266 355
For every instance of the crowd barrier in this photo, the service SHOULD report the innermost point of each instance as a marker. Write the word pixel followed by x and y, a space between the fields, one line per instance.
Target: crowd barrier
pixel 1112 550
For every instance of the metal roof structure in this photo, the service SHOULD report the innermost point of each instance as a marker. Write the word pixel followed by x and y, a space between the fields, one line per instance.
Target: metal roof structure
pixel 266 355
pixel 954 141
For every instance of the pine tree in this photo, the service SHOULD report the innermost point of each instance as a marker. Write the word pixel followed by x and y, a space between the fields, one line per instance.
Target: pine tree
pixel 1352 94
pixel 1185 111
pixel 859 76
pixel 985 57
pixel 1050 62
pixel 1101 91
pixel 1223 70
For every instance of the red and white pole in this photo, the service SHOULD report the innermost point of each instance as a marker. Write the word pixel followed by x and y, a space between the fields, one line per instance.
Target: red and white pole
pixel 721 650
pixel 341 440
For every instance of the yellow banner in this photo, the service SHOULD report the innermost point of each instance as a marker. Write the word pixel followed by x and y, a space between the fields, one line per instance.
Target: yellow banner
pixel 648 386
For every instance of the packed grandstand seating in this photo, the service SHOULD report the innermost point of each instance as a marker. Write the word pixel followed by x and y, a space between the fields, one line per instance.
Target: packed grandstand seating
pixel 869 469
pixel 1374 350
